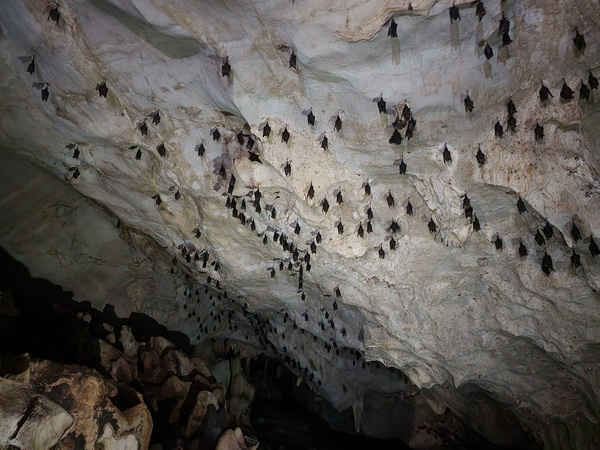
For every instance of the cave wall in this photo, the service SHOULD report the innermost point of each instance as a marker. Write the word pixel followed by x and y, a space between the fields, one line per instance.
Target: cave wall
pixel 448 308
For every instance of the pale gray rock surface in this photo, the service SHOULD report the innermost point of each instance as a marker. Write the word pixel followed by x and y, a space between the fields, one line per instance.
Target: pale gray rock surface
pixel 457 316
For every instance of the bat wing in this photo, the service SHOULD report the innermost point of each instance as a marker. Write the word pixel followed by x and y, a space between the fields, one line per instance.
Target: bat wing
pixel 284 48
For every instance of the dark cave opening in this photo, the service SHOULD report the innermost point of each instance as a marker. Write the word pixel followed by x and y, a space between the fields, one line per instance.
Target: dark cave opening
pixel 281 421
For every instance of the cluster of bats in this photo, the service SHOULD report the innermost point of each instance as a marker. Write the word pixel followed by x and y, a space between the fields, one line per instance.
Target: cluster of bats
pixel 298 259
pixel 266 331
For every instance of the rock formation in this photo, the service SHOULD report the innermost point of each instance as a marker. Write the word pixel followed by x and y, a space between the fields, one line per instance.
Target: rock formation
pixel 55 406
pixel 46 404
pixel 427 229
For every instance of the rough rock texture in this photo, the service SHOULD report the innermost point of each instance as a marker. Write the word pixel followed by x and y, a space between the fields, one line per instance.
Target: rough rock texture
pixel 44 404
pixel 30 420
pixel 235 440
pixel 476 327
pixel 65 406
pixel 180 390
pixel 178 386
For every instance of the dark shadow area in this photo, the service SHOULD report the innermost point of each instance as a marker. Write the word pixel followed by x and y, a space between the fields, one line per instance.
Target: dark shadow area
pixel 125 398
pixel 497 422
pixel 280 421
pixel 36 317
pixel 173 47
pixel 39 317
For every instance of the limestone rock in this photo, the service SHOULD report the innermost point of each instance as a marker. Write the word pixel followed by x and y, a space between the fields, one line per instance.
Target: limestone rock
pixel 177 386
pixel 443 293
pixel 87 397
pixel 235 440
pixel 29 420
pixel 240 395
pixel 121 368
pixel 67 406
